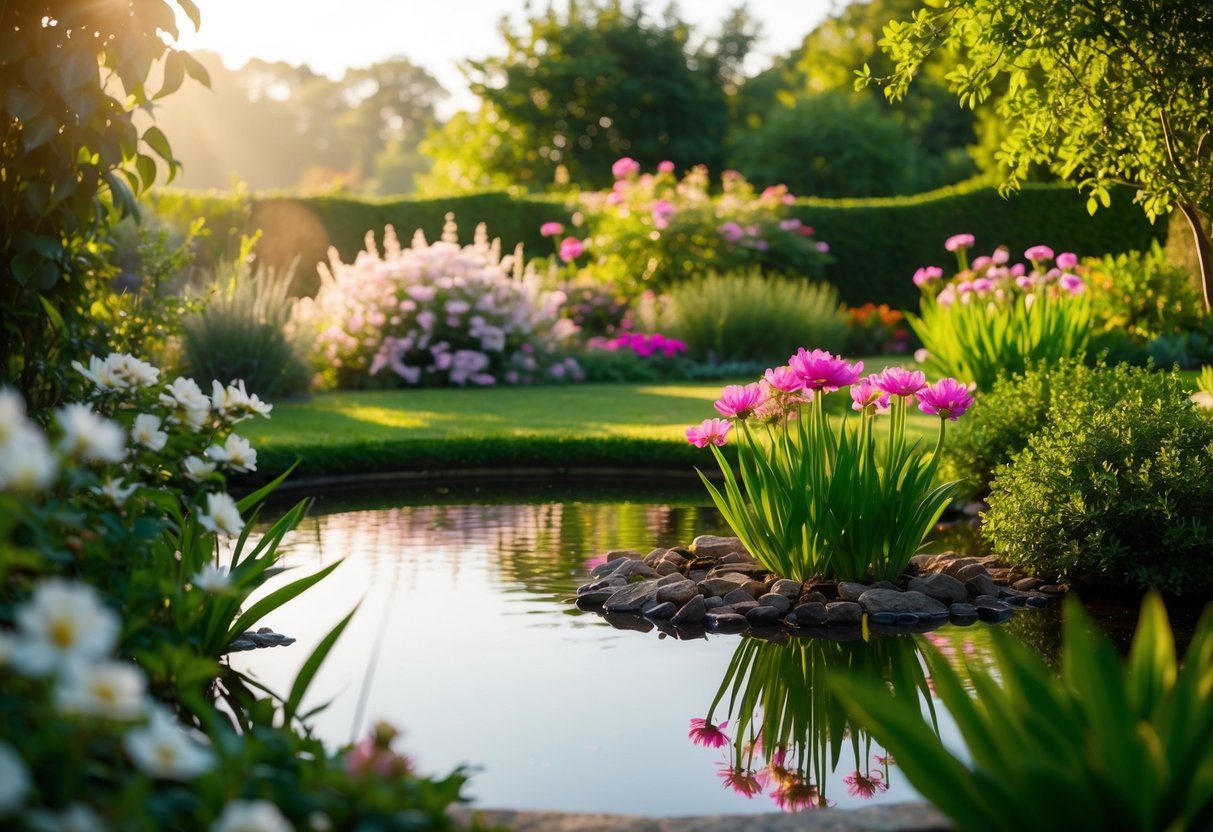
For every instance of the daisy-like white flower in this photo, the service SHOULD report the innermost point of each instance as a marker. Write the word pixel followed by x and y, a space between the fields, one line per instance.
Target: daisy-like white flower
pixel 234 404
pixel 115 491
pixel 213 579
pixel 186 402
pixel 118 371
pixel 163 749
pixel 115 690
pixel 61 623
pixel 26 461
pixel 100 373
pixel 146 432
pixel 251 816
pixel 14 780
pixel 197 468
pixel 222 515
pixel 90 437
pixel 236 453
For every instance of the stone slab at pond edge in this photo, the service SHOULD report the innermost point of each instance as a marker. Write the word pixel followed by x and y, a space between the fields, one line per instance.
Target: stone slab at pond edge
pixel 714 584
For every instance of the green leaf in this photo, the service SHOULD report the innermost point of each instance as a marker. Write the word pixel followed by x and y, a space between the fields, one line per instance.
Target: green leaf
pixel 52 314
pixel 146 166
pixel 158 142
pixel 22 104
pixel 275 600
pixel 195 69
pixel 174 74
pixel 312 665
pixel 38 132
pixel 250 500
pixel 191 11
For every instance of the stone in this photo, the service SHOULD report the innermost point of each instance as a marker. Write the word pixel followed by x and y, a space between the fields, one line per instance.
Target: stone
pixel 980 585
pixel 628 621
pixel 963 613
pixel 604 569
pixel 633 569
pixel 884 619
pixel 712 546
pixel 762 615
pixel 923 563
pixel 691 612
pixel 678 593
pixel 1053 589
pixel 697 575
pixel 714 602
pixel 736 557
pixel 787 588
pixel 725 621
pixel 958 565
pixel 814 597
pixel 661 611
pixel 667 580
pixel 1037 601
pixel 850 590
pixel 774 599
pixel 941 587
pixel 595 597
pixel 605 583
pixel 737 595
pixel 749 569
pixel 889 600
pixel 886 585
pixel 906 619
pixel 992 610
pixel 755 588
pixel 741 607
pixel 664 567
pixel 1027 584
pixel 813 612
pixel 722 584
pixel 843 612
pixel 674 557
pixel 632 598
pixel 655 556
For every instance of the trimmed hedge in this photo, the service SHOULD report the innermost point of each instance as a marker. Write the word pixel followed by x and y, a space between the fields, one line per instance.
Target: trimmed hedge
pixel 876 243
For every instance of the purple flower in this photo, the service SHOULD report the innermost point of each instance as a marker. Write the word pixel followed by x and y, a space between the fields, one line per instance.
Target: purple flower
pixel 946 398
pixel 1038 253
pixel 709 432
pixel 957 241
pixel 823 371
pixel 705 733
pixel 624 167
pixel 824 248
pixel 898 381
pixel 1067 260
pixel 1072 283
pixel 570 249
pixel 783 379
pixel 737 402
pixel 791 224
pixel 866 393
pixel 551 229
pixel 731 231
pixel 926 275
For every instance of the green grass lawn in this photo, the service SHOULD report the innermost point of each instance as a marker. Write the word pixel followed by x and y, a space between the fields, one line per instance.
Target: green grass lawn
pixel 623 425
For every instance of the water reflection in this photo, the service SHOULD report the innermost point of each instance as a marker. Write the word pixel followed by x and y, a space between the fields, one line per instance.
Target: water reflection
pixel 784 732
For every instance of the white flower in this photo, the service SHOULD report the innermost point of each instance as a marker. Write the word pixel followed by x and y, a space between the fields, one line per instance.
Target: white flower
pixel 116 491
pixel 63 622
pixel 14 780
pixel 213 579
pixel 115 690
pixel 188 405
pixel 146 432
pixel 236 453
pixel 1202 399
pixel 99 372
pixel 196 468
pixel 163 749
pixel 235 404
pixel 88 436
pixel 77 817
pixel 222 515
pixel 118 371
pixel 251 816
pixel 12 414
pixel 26 461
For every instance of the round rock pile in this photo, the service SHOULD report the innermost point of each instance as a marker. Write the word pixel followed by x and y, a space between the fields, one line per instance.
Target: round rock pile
pixel 715 584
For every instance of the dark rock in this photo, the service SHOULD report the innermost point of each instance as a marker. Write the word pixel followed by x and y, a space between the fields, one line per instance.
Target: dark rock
pixel 755 588
pixel 963 613
pixel 661 611
pixel 741 607
pixel 1037 601
pixel 850 590
pixel 749 569
pixel 774 599
pixel 981 584
pixel 890 600
pixel 1053 589
pixel 240 644
pixel 886 585
pixel 969 571
pixel 725 621
pixel 787 588
pixel 814 597
pixel 666 580
pixel 712 546
pixel 674 557
pixel 713 602
pixel 595 597
pixel 697 575
pixel 628 621
pixel 605 583
pixel 633 569
pixel 632 598
pixel 956 567
pixel 678 593
pixel 886 619
pixel 843 612
pixel 908 618
pixel 664 567
pixel 1015 599
pixel 923 563
pixel 762 615
pixel 737 595
pixel 702 563
pixel 604 569
pixel 813 612
pixel 692 612
pixel 992 610
pixel 941 587
pixel 1027 584
pixel 737 557
pixel 723 584
pixel 655 556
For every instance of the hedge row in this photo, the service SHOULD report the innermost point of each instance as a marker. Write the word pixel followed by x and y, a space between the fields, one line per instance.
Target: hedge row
pixel 876 243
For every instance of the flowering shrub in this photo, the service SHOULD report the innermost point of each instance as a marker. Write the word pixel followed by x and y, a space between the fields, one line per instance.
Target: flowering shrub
pixel 819 499
pixel 596 310
pixel 1142 296
pixel 651 229
pixel 873 330
pixel 109 720
pixel 633 356
pixel 993 317
pixel 433 315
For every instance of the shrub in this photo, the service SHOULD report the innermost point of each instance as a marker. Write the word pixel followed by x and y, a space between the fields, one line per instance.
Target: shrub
pixel 242 332
pixel 1114 490
pixel 633 356
pixel 875 330
pixel 753 318
pixel 596 310
pixel 433 314
pixel 992 318
pixel 1142 295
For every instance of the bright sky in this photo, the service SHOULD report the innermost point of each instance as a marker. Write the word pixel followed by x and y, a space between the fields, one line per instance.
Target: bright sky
pixel 436 34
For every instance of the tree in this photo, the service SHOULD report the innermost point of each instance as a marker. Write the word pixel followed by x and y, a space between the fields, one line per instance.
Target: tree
pixel 583 88
pixel 1102 91
pixel 72 75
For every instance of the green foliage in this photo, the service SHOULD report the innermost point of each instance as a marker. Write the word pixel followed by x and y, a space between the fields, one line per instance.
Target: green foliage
pixel 1107 744
pixel 1113 490
pixel 751 317
pixel 241 331
pixel 575 91
pixel 226 216
pixel 1141 295
pixel 74 76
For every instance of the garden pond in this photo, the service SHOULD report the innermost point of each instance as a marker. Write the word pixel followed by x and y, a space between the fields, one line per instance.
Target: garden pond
pixel 465 638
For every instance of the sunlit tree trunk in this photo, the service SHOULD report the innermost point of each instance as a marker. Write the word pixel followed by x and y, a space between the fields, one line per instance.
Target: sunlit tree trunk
pixel 1204 251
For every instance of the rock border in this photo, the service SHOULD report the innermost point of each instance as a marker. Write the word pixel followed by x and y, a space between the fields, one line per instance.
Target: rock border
pixel 715 585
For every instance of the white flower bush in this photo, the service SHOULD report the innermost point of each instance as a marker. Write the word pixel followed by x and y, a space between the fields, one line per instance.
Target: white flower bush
pixel 434 314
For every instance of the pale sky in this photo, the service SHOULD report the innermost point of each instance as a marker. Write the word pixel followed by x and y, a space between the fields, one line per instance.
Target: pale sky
pixel 330 36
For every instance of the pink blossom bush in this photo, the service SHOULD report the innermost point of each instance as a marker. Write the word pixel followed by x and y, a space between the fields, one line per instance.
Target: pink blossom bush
pixel 434 314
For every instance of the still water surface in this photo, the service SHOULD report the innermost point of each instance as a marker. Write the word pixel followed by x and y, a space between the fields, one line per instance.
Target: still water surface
pixel 464 638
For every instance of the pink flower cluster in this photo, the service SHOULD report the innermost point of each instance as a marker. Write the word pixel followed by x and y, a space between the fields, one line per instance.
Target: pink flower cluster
pixel 992 279
pixel 782 390
pixel 643 344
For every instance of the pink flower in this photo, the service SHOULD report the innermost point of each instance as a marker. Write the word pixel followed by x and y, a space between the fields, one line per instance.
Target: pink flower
pixel 957 241
pixel 741 782
pixel 791 224
pixel 783 379
pixel 823 371
pixel 709 432
pixel 865 787
pixel 926 275
pixel 946 398
pixel 824 248
pixel 551 229
pixel 794 795
pixel 662 211
pixel 1000 256
pixel 703 732
pixel 372 755
pixel 865 393
pixel 570 249
pixel 899 381
pixel 737 402
pixel 731 231
pixel 1067 260
pixel 1073 284
pixel 1038 253
pixel 981 264
pixel 665 167
pixel 624 167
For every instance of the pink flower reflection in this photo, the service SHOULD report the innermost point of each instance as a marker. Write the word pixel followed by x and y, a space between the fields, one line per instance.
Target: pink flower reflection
pixel 865 787
pixel 708 735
